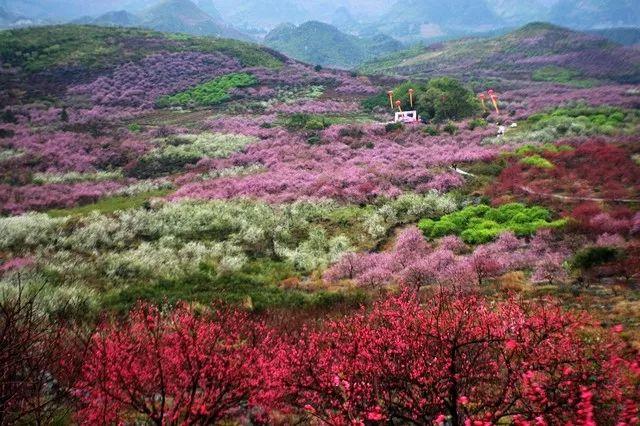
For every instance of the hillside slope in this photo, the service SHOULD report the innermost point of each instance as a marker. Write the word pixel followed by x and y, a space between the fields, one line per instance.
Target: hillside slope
pixel 319 43
pixel 46 60
pixel 535 51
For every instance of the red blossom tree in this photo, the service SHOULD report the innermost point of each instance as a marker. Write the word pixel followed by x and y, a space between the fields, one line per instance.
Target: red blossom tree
pixel 181 368
pixel 461 360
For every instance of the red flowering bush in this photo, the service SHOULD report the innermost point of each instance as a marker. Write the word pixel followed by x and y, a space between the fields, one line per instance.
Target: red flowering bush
pixel 178 368
pixel 461 360
pixel 455 358
pixel 593 169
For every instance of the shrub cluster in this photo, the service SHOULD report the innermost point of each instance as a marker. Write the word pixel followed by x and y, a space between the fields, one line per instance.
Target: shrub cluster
pixel 481 224
pixel 174 152
pixel 211 93
pixel 572 121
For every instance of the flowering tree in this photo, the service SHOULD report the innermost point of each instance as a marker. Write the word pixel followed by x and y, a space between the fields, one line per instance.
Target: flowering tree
pixel 179 368
pixel 459 360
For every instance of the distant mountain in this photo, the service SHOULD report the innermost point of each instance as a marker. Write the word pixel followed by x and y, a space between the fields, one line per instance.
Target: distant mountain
pixel 624 36
pixel 319 43
pixel 596 13
pixel 119 18
pixel 536 51
pixel 178 16
pixel 412 20
pixel 519 12
pixel 183 16
pixel 344 20
pixel 209 7
pixel 265 14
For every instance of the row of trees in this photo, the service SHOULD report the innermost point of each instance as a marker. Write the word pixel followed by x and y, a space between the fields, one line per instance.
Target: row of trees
pixel 456 358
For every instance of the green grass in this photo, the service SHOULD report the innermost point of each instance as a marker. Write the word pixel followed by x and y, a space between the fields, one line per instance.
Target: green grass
pixel 210 93
pixel 257 282
pixel 109 204
pixel 481 224
pixel 563 76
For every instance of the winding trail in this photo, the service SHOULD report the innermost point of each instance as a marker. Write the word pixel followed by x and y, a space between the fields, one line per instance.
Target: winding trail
pixel 569 198
pixel 557 196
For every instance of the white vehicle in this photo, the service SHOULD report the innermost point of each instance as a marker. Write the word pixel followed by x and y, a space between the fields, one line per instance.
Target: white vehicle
pixel 406 117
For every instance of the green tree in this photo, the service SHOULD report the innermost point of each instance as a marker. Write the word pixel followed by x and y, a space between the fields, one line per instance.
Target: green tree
pixel 446 98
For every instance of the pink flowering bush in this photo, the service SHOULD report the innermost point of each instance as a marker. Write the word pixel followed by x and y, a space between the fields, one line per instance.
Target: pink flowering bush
pixel 325 106
pixel 15 200
pixel 140 84
pixel 383 165
pixel 67 151
pixel 414 263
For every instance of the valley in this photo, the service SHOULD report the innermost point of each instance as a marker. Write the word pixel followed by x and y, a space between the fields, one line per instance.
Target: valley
pixel 204 230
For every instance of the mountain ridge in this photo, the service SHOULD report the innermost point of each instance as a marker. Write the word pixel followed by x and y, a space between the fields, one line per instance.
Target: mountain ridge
pixel 523 53
pixel 324 44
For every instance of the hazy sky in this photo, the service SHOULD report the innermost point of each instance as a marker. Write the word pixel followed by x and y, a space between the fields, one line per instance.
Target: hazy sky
pixel 71 8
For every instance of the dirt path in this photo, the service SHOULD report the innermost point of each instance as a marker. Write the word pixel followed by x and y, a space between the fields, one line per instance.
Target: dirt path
pixel 568 198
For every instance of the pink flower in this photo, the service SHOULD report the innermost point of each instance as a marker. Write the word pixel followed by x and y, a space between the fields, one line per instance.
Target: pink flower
pixel 440 419
pixel 376 415
pixel 619 328
pixel 16 264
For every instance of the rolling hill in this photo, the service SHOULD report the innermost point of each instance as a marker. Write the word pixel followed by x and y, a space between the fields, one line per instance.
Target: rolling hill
pixel 537 51
pixel 319 43
pixel 64 55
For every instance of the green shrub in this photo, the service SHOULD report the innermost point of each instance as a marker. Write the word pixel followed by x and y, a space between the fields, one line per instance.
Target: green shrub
pixel 450 128
pixel 431 130
pixel 477 122
pixel 314 139
pixel 594 256
pixel 537 161
pixel 480 224
pixel 393 127
pixel 355 132
pixel 302 121
pixel 210 93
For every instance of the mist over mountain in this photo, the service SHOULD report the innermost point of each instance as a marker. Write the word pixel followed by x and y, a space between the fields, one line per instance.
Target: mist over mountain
pixel 178 16
pixel 596 13
pixel 407 20
pixel 319 43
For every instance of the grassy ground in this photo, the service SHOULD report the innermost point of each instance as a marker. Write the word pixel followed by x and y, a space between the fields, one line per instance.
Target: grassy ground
pixel 110 204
